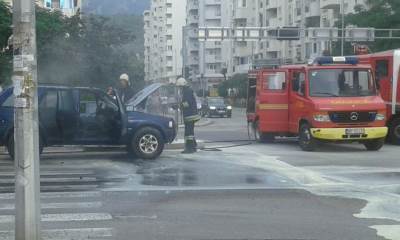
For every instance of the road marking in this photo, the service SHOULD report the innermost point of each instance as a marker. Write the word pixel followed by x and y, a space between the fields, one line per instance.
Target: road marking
pixel 60 234
pixel 54 180
pixel 11 196
pixel 65 217
pixel 73 205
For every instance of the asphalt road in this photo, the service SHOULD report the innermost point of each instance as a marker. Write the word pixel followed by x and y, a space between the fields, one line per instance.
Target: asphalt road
pixel 256 191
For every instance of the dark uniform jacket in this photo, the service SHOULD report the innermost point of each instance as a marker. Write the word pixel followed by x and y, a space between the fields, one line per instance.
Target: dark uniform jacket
pixel 189 105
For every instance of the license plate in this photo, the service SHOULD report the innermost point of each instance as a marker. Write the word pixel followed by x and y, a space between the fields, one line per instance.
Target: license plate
pixel 221 111
pixel 355 131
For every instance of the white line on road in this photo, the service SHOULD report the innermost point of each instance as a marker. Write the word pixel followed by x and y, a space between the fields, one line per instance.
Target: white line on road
pixel 67 234
pixel 55 180
pixel 65 205
pixel 9 196
pixel 65 217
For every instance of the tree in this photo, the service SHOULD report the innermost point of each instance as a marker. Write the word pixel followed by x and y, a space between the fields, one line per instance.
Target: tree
pixel 383 14
pixel 238 81
pixel 5 53
pixel 78 51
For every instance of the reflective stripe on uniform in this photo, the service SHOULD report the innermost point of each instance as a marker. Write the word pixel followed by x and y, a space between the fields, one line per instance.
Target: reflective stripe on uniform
pixel 185 104
pixel 189 138
pixel 193 118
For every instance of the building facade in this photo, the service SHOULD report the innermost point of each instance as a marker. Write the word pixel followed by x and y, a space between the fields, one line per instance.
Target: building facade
pixel 303 14
pixel 209 63
pixel 163 25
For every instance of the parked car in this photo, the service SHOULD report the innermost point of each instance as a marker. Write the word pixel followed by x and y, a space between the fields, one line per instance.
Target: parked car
pixel 216 106
pixel 88 116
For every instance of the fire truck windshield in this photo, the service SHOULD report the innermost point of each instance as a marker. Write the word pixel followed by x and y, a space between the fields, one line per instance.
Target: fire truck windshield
pixel 341 83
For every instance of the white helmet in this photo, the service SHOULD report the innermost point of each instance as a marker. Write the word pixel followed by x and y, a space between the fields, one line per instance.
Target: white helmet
pixel 181 82
pixel 124 77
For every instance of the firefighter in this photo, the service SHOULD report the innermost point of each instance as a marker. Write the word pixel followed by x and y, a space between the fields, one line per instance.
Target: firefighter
pixel 125 91
pixel 190 115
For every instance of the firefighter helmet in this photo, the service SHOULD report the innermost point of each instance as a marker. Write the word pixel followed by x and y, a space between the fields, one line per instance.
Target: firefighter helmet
pixel 181 82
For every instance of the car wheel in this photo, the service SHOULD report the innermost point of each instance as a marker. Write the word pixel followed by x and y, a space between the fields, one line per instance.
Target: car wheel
pixel 11 146
pixel 262 137
pixel 306 141
pixel 147 143
pixel 374 145
pixel 394 134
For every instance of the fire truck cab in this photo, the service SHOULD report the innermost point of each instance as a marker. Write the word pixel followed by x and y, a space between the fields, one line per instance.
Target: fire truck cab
pixel 331 99
pixel 386 66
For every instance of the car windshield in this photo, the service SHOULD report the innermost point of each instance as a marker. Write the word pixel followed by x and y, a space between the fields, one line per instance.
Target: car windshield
pixel 216 101
pixel 341 83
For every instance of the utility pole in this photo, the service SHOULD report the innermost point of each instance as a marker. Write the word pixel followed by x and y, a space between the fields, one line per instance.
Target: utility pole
pixel 303 26
pixel 26 134
pixel 343 27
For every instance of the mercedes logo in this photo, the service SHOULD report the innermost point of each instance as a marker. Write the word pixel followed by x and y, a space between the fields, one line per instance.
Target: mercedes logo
pixel 354 116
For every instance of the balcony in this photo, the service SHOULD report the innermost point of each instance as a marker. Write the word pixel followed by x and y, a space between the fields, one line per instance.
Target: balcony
pixel 193 5
pixel 272 4
pixel 330 4
pixel 243 68
pixel 193 61
pixel 243 13
pixel 213 58
pixel 313 9
pixel 193 19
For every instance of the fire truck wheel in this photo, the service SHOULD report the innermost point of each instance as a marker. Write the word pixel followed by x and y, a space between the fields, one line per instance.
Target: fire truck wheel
pixel 395 132
pixel 306 141
pixel 374 145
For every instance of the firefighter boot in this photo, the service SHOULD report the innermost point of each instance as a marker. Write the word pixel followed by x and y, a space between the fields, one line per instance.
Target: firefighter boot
pixel 189 147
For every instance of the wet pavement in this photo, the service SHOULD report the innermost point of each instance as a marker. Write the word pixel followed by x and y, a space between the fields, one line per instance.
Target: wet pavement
pixel 256 191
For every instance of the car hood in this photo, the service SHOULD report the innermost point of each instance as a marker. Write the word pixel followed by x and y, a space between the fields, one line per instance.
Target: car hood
pixel 142 95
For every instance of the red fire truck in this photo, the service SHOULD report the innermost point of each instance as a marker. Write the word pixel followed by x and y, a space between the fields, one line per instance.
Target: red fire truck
pixel 332 99
pixel 386 67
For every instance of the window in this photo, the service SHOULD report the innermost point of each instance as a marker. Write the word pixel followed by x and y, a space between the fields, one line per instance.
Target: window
pixel 9 102
pixel 66 101
pixel 382 68
pixel 242 3
pixel 299 83
pixel 49 100
pixel 341 83
pixel 275 81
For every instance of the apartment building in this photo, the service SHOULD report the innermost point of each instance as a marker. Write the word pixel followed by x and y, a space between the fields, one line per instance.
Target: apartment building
pixel 299 13
pixel 209 63
pixel 68 7
pixel 163 25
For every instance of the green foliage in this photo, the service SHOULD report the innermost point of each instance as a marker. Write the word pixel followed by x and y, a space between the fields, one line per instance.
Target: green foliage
pixel 5 54
pixel 238 81
pixel 383 14
pixel 85 51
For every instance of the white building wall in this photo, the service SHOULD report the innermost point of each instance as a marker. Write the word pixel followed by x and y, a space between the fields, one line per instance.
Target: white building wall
pixel 163 40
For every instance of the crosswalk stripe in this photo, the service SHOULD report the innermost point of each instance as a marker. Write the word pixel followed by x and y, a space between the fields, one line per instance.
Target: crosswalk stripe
pixel 60 234
pixel 64 217
pixel 10 196
pixel 73 205
pixel 54 180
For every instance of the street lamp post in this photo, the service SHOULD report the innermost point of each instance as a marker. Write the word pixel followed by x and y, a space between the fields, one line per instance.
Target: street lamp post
pixel 343 27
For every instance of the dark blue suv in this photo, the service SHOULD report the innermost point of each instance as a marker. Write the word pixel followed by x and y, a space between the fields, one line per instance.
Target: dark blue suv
pixel 88 116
